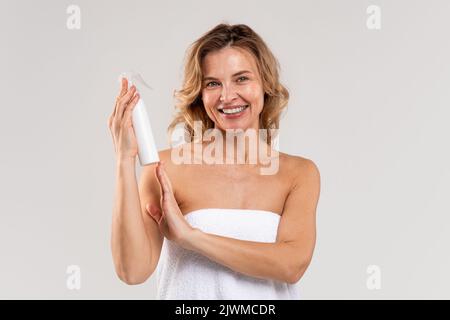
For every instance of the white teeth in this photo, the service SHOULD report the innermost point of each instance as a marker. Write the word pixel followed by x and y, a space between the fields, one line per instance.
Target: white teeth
pixel 234 110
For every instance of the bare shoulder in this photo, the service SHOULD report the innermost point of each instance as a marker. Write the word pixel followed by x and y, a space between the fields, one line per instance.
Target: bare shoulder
pixel 167 154
pixel 172 169
pixel 301 170
pixel 164 155
pixel 148 171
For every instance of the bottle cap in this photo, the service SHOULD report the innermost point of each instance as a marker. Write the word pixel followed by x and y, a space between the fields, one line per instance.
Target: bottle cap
pixel 134 78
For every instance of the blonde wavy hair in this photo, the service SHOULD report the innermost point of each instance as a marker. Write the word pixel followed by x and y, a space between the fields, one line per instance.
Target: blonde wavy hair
pixel 189 104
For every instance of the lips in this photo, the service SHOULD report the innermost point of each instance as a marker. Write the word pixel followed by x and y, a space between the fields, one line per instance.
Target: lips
pixel 236 113
pixel 232 107
pixel 234 110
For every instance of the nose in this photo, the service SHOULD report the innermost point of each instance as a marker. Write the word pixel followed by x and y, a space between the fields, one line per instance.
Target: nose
pixel 228 94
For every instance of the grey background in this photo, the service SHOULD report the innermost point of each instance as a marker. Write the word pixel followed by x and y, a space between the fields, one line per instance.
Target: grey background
pixel 370 107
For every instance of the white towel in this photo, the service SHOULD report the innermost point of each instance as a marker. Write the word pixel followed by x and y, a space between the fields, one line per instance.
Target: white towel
pixel 185 274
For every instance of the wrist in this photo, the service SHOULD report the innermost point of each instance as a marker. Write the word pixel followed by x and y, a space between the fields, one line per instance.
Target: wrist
pixel 126 161
pixel 191 239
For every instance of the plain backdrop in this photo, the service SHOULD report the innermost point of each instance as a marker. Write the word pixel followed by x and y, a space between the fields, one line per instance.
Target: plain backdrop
pixel 369 107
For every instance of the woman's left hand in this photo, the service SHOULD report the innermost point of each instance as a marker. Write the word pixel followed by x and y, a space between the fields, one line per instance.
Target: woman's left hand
pixel 171 221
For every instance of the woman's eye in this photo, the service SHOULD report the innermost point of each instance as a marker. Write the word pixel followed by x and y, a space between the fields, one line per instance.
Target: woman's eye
pixel 214 83
pixel 210 83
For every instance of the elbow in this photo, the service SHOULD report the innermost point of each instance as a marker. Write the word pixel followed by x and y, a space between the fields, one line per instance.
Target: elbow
pixel 292 277
pixel 295 273
pixel 135 272
pixel 135 276
pixel 131 279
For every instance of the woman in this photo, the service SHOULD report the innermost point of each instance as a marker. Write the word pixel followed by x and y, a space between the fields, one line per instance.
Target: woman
pixel 216 230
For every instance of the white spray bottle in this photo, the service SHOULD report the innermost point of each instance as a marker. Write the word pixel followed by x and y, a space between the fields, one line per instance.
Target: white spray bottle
pixel 147 151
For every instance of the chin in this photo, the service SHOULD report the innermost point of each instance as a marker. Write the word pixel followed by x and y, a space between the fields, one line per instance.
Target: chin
pixel 235 126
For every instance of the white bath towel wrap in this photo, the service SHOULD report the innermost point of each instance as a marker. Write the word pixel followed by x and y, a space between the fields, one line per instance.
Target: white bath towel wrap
pixel 185 274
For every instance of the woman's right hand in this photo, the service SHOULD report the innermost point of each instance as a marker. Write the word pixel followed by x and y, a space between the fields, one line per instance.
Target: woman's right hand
pixel 120 125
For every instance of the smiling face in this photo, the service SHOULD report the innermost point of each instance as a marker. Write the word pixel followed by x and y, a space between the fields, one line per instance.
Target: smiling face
pixel 232 91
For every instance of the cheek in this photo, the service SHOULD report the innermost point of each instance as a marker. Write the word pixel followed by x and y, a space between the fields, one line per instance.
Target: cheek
pixel 209 99
pixel 209 103
pixel 255 96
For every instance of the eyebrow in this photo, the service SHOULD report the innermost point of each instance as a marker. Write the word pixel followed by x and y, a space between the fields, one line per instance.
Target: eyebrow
pixel 234 75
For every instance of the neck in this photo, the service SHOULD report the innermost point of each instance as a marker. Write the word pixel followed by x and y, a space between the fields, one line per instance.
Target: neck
pixel 240 146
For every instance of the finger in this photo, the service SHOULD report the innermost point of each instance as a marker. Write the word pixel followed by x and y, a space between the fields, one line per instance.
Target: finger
pixel 163 181
pixel 165 177
pixel 109 122
pixel 124 101
pixel 129 109
pixel 123 87
pixel 123 90
pixel 166 195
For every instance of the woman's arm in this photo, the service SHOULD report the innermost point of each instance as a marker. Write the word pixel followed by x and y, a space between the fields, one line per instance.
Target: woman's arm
pixel 288 258
pixel 285 260
pixel 132 247
pixel 135 238
pixel 129 242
